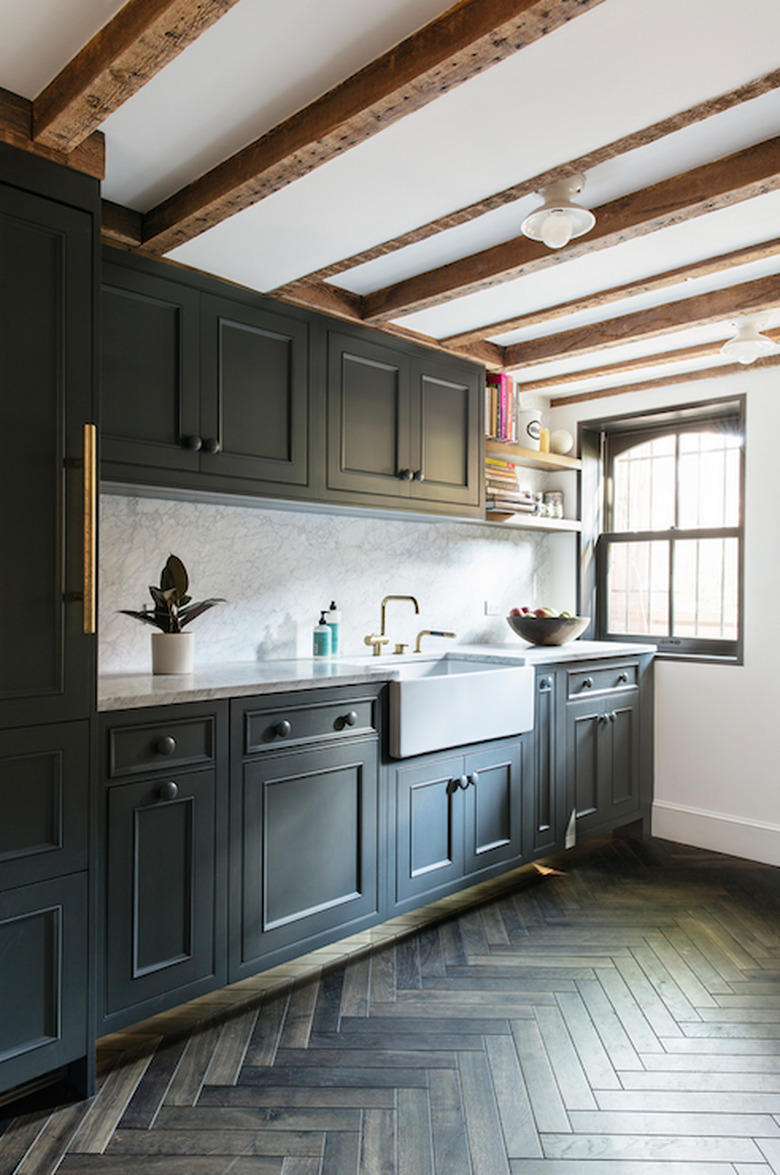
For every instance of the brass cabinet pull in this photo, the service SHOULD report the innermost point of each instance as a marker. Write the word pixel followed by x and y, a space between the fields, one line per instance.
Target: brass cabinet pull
pixel 90 526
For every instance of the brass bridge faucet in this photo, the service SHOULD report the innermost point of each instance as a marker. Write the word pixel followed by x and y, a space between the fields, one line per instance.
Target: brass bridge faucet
pixel 376 640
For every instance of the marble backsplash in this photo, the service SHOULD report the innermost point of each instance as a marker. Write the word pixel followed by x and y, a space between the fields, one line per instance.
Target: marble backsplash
pixel 277 568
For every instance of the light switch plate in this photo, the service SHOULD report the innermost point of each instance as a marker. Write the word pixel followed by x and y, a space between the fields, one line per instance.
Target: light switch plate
pixel 492 608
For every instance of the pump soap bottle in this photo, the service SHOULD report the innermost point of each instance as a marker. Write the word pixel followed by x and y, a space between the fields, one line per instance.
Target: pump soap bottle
pixel 321 641
pixel 333 621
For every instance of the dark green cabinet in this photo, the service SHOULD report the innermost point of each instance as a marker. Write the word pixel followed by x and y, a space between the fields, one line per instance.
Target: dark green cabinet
pixel 304 824
pixel 402 426
pixel 607 714
pixel 458 817
pixel 200 390
pixel 163 873
pixel 48 219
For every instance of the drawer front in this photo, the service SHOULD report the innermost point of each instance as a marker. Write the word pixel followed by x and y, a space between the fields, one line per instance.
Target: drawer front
pixel 159 746
pixel 292 724
pixel 602 679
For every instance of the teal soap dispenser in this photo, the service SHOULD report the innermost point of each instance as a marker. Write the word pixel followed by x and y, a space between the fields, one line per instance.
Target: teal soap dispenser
pixel 321 641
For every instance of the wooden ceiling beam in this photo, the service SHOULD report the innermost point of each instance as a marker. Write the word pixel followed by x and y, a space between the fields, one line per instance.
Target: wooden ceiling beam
pixel 16 120
pixel 468 38
pixel 705 351
pixel 647 285
pixel 650 134
pixel 754 297
pixel 664 381
pixel 712 186
pixel 135 45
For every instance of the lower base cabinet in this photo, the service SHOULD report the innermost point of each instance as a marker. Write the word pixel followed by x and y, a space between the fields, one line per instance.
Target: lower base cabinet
pixel 43 979
pixel 457 817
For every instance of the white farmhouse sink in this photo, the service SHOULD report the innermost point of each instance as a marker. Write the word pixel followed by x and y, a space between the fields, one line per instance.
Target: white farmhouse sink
pixel 449 702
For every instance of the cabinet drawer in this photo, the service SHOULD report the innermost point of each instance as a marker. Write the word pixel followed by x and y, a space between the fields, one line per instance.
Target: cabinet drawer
pixel 161 745
pixel 582 682
pixel 291 723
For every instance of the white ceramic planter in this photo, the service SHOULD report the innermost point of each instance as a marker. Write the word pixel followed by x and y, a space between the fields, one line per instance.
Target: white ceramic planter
pixel 172 652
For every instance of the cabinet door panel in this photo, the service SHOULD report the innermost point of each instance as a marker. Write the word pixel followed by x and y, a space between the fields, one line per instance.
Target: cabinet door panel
pixel 149 375
pixel 161 889
pixel 584 759
pixel 494 796
pixel 44 778
pixel 43 980
pixel 46 344
pixel 306 824
pixel 448 400
pixel 368 417
pixel 429 827
pixel 624 777
pixel 548 800
pixel 253 392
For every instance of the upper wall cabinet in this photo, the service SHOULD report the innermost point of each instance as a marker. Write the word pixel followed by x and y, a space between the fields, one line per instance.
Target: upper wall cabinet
pixel 209 389
pixel 402 426
pixel 200 391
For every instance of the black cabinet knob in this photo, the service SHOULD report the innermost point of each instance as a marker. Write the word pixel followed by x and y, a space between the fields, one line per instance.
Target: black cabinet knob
pixel 587 683
pixel 545 685
pixel 623 677
pixel 283 728
pixel 168 791
pixel 418 475
pixel 351 718
pixel 194 442
pixel 166 745
pixel 405 474
pixel 211 445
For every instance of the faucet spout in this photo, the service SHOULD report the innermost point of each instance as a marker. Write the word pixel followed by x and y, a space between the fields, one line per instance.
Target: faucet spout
pixel 431 632
pixel 385 602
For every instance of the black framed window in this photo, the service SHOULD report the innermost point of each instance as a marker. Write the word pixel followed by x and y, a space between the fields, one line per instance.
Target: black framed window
pixel 668 552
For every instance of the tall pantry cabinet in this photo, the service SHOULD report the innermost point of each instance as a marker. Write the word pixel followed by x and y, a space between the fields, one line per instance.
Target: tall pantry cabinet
pixel 48 235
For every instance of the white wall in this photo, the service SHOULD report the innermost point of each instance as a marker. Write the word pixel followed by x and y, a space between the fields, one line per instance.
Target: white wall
pixel 278 568
pixel 717 783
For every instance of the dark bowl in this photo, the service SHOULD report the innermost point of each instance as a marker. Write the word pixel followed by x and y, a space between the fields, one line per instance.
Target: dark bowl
pixel 548 630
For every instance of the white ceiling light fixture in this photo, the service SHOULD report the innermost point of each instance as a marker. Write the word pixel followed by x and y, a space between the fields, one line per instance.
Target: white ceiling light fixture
pixel 748 344
pixel 559 219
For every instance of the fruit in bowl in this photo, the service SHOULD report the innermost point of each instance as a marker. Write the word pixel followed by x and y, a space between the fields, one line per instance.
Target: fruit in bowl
pixel 545 626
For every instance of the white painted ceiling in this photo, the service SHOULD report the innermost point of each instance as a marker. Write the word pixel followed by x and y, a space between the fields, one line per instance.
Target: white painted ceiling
pixel 612 71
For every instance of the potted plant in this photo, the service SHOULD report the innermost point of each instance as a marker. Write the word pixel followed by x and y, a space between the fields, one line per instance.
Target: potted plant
pixel 172 649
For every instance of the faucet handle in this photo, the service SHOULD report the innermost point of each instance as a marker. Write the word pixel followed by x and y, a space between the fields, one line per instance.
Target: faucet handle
pixel 377 642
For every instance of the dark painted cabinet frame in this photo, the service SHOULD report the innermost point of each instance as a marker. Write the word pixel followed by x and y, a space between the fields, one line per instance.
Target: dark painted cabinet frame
pixel 208 388
pixel 48 224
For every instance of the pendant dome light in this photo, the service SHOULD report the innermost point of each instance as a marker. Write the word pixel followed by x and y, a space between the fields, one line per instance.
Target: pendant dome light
pixel 748 344
pixel 559 219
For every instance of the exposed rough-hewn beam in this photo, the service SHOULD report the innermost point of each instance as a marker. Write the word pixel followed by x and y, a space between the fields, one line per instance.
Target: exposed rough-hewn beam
pixel 120 225
pixel 466 39
pixel 649 134
pixel 143 37
pixel 754 297
pixel 646 285
pixel 712 186
pixel 664 381
pixel 707 352
pixel 16 116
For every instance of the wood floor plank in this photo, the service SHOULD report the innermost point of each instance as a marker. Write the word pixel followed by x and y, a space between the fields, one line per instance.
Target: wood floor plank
pixel 357 986
pixel 694 1124
pixel 572 1082
pixel 269 1024
pixel 297 1016
pixel 108 1106
pixel 592 1054
pixel 486 1147
pixel 521 1138
pixel 377 1151
pixel 414 1136
pixel 285 1096
pixel 218 1142
pixel 342 1154
pixel 448 1127
pixel 228 1056
pixel 546 1101
pixel 407 964
pixel 188 1079
pixel 225 1118
pixel 383 976
pixel 49 1145
pixel 657 1149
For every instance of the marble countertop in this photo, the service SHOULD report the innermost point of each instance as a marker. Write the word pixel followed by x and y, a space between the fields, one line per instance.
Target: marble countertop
pixel 243 678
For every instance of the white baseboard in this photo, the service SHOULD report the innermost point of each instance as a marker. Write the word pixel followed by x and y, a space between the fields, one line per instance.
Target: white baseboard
pixel 754 840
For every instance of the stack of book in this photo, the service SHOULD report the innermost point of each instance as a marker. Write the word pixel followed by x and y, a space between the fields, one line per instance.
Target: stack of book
pixel 502 492
pixel 500 407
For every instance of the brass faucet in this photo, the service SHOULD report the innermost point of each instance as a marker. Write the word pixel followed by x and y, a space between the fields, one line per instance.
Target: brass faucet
pixel 431 632
pixel 376 640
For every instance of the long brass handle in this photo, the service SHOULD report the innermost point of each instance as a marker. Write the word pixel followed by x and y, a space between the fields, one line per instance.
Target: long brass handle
pixel 90 526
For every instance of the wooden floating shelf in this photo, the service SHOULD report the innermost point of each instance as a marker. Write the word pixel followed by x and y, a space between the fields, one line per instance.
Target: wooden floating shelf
pixel 533 521
pixel 507 451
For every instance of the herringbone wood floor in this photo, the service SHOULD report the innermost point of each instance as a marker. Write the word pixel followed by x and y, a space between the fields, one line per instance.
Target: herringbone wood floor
pixel 619 1018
